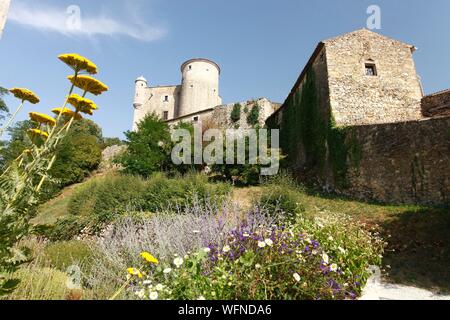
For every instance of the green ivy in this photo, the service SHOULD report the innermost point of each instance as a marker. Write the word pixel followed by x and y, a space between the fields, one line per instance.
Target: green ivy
pixel 306 131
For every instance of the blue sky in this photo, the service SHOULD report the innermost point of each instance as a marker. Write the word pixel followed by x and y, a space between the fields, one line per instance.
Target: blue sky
pixel 261 45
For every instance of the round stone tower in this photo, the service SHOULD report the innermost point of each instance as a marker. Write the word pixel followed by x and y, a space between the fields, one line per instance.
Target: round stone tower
pixel 199 87
pixel 139 94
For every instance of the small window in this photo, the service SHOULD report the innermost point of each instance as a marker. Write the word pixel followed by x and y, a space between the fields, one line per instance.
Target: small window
pixel 195 119
pixel 371 69
pixel 166 98
pixel 166 115
pixel 190 67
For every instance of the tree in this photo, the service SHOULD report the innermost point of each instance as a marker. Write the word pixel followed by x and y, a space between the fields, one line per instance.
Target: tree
pixel 148 148
pixel 236 113
pixel 253 116
pixel 3 106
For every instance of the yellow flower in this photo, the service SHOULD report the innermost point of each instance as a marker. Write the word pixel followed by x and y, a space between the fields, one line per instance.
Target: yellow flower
pixel 78 63
pixel 147 256
pixel 67 113
pixel 42 118
pixel 25 95
pixel 134 272
pixel 37 133
pixel 89 84
pixel 82 104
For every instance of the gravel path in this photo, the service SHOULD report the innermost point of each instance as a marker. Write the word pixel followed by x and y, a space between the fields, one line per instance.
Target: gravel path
pixel 377 289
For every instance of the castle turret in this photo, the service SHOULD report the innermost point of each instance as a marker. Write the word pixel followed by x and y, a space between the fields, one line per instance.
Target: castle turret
pixel 139 94
pixel 200 86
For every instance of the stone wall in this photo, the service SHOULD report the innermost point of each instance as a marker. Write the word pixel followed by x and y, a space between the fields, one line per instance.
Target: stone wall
pixel 393 94
pixel 406 162
pixel 437 104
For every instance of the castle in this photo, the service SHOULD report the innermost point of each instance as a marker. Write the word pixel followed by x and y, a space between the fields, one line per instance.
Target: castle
pixel 356 121
pixel 197 98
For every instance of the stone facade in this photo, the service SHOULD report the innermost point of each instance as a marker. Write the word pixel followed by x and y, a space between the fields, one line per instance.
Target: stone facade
pixel 437 104
pixel 198 91
pixel 353 123
pixel 391 93
pixel 4 7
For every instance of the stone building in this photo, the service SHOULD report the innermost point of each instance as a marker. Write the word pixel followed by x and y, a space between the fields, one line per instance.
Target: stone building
pixel 197 99
pixel 4 7
pixel 357 122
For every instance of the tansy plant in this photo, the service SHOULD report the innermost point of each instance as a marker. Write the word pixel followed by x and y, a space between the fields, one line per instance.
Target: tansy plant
pixel 21 182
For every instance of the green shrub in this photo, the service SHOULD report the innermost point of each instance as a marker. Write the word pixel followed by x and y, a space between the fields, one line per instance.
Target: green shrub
pixel 64 229
pixel 253 116
pixel 107 196
pixel 236 113
pixel 61 255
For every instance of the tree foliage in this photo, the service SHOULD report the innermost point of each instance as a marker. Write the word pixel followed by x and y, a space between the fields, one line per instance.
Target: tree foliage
pixel 253 116
pixel 236 112
pixel 148 148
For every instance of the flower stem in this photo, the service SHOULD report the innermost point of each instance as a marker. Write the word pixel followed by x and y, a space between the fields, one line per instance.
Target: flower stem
pixel 2 130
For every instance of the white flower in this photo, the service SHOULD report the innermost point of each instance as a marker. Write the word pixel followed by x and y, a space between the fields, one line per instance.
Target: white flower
pixel 269 242
pixel 207 250
pixel 325 258
pixel 333 267
pixel 314 252
pixel 246 235
pixel 226 249
pixel 153 295
pixel 167 270
pixel 161 144
pixel 141 294
pixel 261 244
pixel 296 277
pixel 178 262
pixel 159 287
pixel 330 238
pixel 342 250
pixel 308 240
pixel 147 282
pixel 258 266
pixel 201 298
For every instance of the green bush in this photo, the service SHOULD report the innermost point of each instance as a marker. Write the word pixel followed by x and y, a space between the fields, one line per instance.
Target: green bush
pixel 107 196
pixel 64 229
pixel 62 255
pixel 236 113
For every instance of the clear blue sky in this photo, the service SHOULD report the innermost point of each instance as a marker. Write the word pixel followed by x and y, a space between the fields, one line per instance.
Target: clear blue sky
pixel 261 45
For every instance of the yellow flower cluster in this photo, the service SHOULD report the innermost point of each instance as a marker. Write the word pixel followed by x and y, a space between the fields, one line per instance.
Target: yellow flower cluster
pixel 88 84
pixel 78 63
pixel 82 104
pixel 68 113
pixel 25 95
pixel 149 258
pixel 37 133
pixel 42 118
pixel 134 272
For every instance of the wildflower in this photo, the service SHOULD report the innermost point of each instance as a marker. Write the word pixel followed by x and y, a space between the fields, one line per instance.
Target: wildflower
pixel 153 295
pixel 25 95
pixel 226 249
pixel 333 267
pixel 78 63
pixel 82 104
pixel 159 287
pixel 149 258
pixel 296 277
pixel 167 270
pixel 207 250
pixel 330 238
pixel 67 113
pixel 325 258
pixel 38 133
pixel 269 242
pixel 134 272
pixel 342 250
pixel 161 144
pixel 88 84
pixel 258 266
pixel 261 244
pixel 42 118
pixel 178 262
pixel 141 294
pixel 147 282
